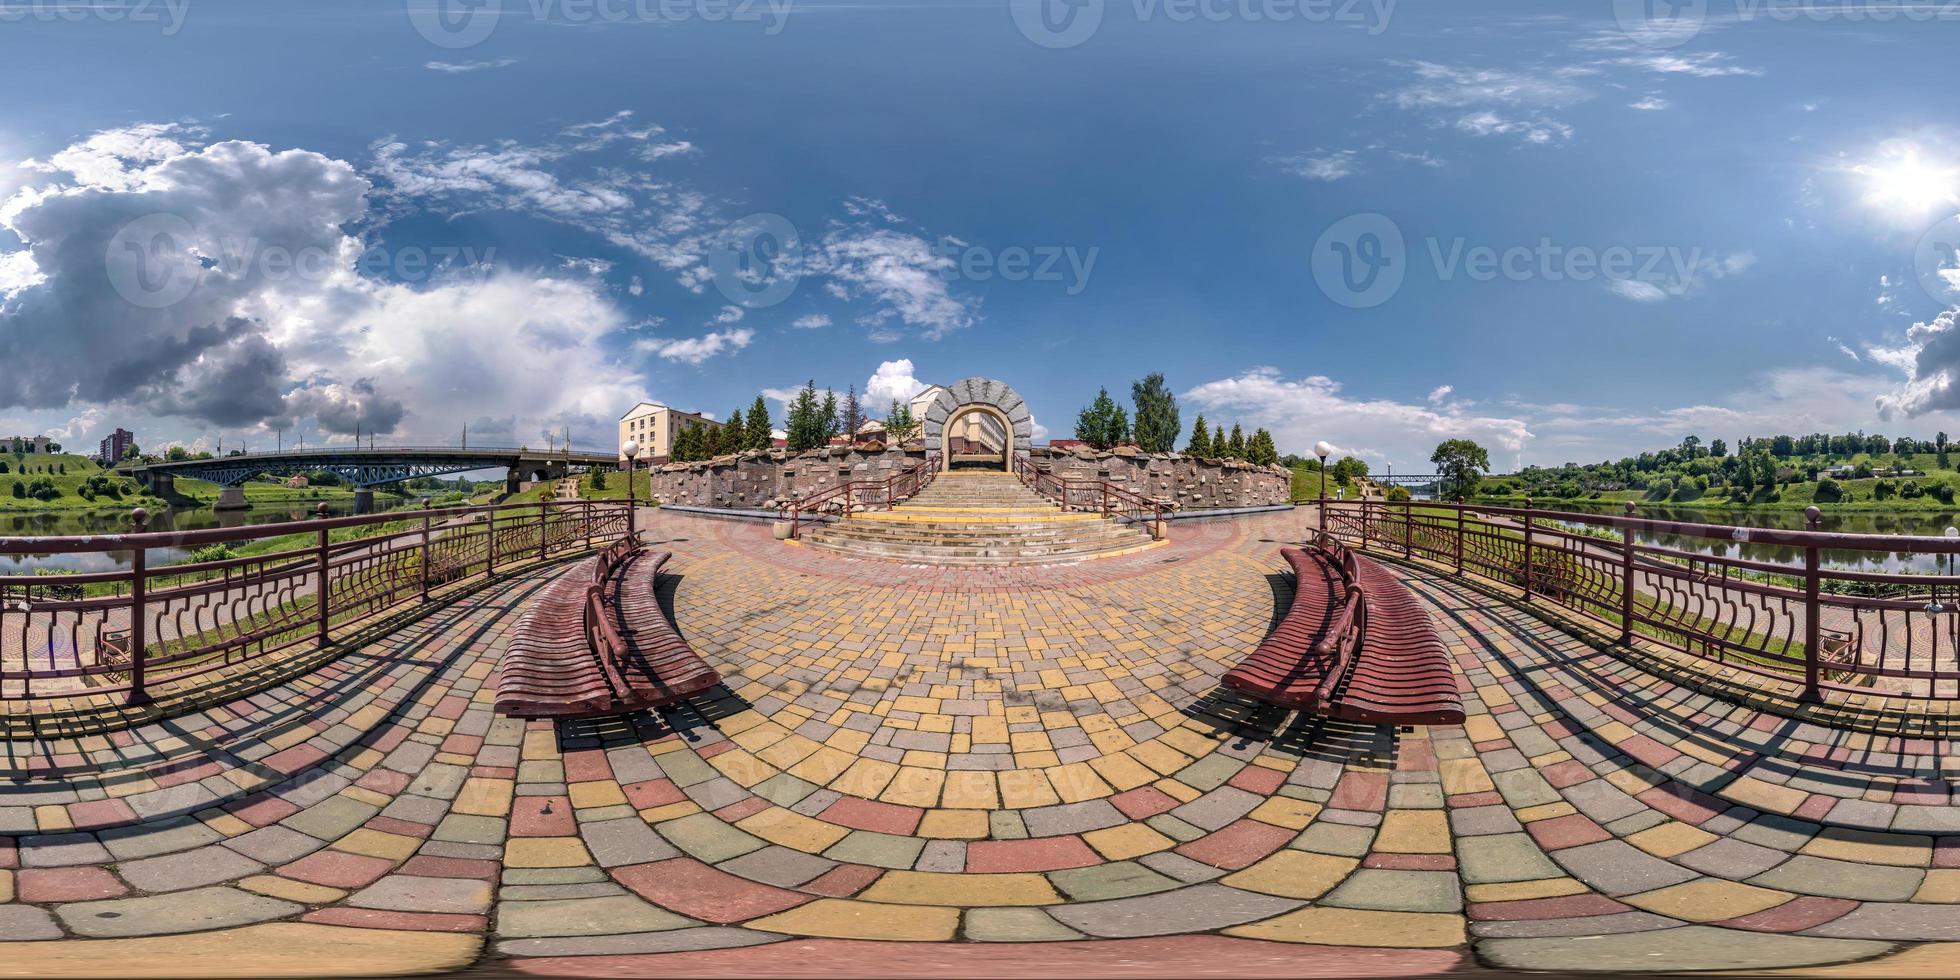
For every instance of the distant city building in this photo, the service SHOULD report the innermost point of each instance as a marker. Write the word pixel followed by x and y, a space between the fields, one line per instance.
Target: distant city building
pixel 114 447
pixel 30 444
pixel 654 427
pixel 923 401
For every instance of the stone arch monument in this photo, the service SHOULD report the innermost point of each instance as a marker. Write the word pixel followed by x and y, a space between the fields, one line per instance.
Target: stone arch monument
pixel 982 395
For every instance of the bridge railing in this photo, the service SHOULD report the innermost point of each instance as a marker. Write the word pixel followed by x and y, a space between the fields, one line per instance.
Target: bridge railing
pixel 184 609
pixel 1799 611
pixel 328 451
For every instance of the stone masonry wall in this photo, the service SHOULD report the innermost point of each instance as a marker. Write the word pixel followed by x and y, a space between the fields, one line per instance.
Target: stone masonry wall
pixel 759 481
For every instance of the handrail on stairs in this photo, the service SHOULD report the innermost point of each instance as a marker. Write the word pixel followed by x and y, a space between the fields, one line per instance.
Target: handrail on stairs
pixel 851 495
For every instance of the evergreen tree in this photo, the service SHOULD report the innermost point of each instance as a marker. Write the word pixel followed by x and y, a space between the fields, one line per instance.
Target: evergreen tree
pixel 758 425
pixel 899 424
pixel 826 427
pixel 806 424
pixel 598 478
pixel 1235 446
pixel 1156 417
pixel 1261 449
pixel 852 414
pixel 1218 446
pixel 1200 445
pixel 710 441
pixel 1103 424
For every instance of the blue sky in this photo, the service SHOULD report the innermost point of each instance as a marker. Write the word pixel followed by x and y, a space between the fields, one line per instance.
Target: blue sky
pixel 1724 232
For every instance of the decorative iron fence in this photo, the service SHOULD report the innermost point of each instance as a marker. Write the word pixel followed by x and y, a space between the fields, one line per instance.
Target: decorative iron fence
pixel 128 630
pixel 1888 633
pixel 1080 494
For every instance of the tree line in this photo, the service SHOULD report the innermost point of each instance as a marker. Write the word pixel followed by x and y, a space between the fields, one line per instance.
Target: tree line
pixel 1104 425
pixel 811 422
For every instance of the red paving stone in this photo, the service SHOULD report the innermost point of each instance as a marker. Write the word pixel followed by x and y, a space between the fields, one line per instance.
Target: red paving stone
pixel 78 884
pixel 862 814
pixel 529 819
pixel 338 869
pixel 1571 830
pixel 698 891
pixel 1146 801
pixel 843 881
pixel 1036 854
pixel 1803 912
pixel 1237 845
pixel 383 919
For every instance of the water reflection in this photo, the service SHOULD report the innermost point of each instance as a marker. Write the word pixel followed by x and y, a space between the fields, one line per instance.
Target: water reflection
pixel 1925 523
pixel 174 519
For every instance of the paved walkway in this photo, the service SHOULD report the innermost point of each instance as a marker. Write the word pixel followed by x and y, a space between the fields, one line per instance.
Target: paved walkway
pixel 1013 770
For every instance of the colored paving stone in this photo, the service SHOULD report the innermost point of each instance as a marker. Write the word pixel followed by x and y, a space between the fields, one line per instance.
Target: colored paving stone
pixel 904 761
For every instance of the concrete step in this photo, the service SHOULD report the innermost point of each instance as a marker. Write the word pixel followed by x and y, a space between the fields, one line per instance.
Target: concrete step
pixel 954 538
pixel 975 556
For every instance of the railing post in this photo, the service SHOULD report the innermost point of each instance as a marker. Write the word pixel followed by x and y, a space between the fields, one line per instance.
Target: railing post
pixel 1627 581
pixel 544 520
pixel 425 549
pixel 1105 496
pixel 490 539
pixel 1408 529
pixel 585 507
pixel 138 590
pixel 1459 536
pixel 1812 629
pixel 320 577
pixel 1527 549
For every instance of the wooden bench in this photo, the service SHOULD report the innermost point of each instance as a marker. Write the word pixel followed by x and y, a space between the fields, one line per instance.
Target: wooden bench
pixel 1356 645
pixel 595 643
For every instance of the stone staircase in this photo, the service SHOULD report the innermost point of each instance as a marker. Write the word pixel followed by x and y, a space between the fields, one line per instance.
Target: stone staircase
pixel 977 518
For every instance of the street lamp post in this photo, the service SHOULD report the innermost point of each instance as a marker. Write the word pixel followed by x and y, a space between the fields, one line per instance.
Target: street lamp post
pixel 632 452
pixel 1323 450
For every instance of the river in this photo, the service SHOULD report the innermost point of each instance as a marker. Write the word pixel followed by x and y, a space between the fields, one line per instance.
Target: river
pixel 68 522
pixel 1918 522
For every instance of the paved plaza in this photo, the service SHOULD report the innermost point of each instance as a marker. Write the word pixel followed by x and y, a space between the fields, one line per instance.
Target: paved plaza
pixel 999 770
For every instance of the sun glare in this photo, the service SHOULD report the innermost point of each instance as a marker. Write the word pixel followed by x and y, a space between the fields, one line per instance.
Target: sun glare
pixel 1905 183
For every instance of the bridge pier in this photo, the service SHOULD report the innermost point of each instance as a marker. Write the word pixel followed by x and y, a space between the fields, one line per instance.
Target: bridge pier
pixel 231 498
pixel 363 500
pixel 512 479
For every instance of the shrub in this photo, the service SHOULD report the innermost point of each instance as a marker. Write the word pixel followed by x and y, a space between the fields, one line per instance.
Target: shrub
pixel 1396 495
pixel 1828 491
pixel 1883 490
pixel 214 552
pixel 1911 489
pixel 1943 492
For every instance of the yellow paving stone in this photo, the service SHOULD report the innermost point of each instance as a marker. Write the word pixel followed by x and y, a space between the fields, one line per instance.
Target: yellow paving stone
pixel 924 759
pixel 1159 757
pixel 1294 874
pixel 1518 891
pixel 483 797
pixel 1076 782
pixel 1121 771
pixel 1871 847
pixel 1125 841
pixel 6 886
pixel 788 751
pixel 375 843
pixel 1414 832
pixel 368 796
pixel 866 778
pixel 224 823
pixel 1482 728
pixel 915 786
pixel 1635 780
pixel 823 765
pixel 1768 797
pixel 1189 741
pixel 1671 838
pixel 303 892
pixel 1030 742
pixel 990 731
pixel 970 791
pixel 545 852
pixel 1550 759
pixel 540 745
pixel 1546 811
pixel 1359 927
pixel 793 830
pixel 595 793
pixel 52 819
pixel 1036 760
pixel 1285 811
pixel 274 949
pixel 1614 732
pixel 1464 776
pixel 1708 900
pixel 954 824
pixel 1942 885
pixel 455 758
pixel 942 724
pixel 746 770
pixel 1929 961
pixel 1023 788
pixel 848 740
pixel 976 890
pixel 672 811
pixel 845 919
pixel 1181 792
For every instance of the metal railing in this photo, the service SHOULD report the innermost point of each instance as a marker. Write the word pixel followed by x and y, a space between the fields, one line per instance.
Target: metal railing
pixel 144 624
pixel 1823 628
pixel 848 497
pixel 1079 494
